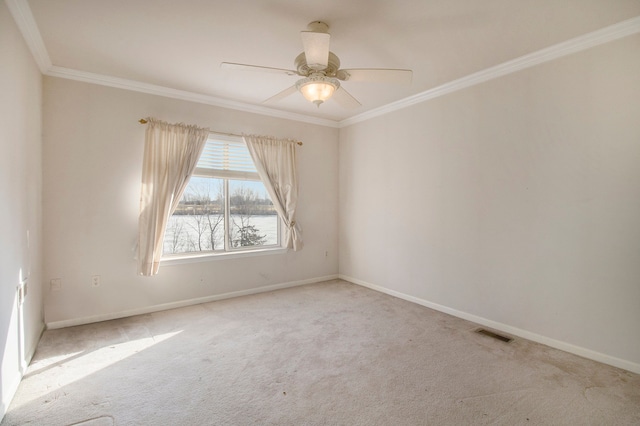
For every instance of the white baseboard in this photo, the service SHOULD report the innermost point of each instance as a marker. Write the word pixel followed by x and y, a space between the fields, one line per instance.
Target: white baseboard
pixel 567 347
pixel 564 346
pixel 183 303
pixel 13 387
pixel 11 392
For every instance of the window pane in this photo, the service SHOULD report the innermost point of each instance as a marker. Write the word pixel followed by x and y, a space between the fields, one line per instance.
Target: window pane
pixel 253 220
pixel 198 222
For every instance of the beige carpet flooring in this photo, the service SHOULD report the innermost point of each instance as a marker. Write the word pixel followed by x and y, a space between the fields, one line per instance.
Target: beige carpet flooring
pixel 331 353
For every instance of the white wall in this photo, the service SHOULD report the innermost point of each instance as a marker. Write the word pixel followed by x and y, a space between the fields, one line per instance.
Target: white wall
pixel 516 201
pixel 20 205
pixel 92 163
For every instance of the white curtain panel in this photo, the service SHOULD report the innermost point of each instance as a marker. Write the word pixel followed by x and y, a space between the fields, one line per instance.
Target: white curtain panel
pixel 275 161
pixel 171 152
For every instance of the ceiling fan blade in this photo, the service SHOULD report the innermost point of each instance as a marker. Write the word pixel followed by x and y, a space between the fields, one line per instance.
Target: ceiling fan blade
pixel 377 75
pixel 344 98
pixel 279 96
pixel 316 49
pixel 245 67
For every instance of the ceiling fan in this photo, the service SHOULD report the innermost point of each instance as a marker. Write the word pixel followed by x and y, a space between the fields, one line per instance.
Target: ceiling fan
pixel 321 71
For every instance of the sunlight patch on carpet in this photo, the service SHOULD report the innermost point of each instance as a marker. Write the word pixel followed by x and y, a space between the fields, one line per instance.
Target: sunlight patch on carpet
pixel 75 366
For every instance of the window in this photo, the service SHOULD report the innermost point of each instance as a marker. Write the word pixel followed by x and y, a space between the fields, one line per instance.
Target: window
pixel 225 206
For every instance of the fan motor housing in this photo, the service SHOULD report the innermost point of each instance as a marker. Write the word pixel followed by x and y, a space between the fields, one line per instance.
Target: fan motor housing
pixel 333 65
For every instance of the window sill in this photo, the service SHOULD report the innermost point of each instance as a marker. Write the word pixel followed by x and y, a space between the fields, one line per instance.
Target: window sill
pixel 207 257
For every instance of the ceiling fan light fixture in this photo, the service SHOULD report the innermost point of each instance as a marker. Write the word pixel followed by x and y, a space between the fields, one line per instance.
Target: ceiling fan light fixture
pixel 317 89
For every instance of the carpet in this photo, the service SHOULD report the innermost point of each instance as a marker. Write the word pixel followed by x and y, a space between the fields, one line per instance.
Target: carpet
pixel 331 353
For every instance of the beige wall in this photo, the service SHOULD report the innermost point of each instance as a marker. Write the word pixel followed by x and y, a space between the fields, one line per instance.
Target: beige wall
pixel 20 205
pixel 93 149
pixel 516 201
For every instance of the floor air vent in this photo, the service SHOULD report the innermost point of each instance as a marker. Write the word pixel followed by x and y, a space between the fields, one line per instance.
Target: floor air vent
pixel 494 335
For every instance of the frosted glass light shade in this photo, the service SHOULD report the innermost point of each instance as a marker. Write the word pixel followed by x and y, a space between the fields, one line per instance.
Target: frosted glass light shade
pixel 318 89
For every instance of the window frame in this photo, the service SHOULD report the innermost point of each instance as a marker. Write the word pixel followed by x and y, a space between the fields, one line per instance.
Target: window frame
pixel 228 251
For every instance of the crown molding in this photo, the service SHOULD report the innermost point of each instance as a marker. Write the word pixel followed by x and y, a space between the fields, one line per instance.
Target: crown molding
pixel 23 17
pixel 152 89
pixel 577 44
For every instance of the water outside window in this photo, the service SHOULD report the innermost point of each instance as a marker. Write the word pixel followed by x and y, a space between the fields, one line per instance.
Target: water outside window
pixel 198 224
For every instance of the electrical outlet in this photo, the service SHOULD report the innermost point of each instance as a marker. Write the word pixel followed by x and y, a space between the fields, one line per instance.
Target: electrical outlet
pixel 56 284
pixel 95 280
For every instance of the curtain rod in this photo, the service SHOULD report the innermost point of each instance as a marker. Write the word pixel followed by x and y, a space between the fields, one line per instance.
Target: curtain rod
pixel 143 121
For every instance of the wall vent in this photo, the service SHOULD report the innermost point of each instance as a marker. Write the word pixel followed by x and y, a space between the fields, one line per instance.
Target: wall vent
pixel 494 335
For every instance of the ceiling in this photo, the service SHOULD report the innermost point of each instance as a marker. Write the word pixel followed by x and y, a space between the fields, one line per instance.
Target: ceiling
pixel 179 45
